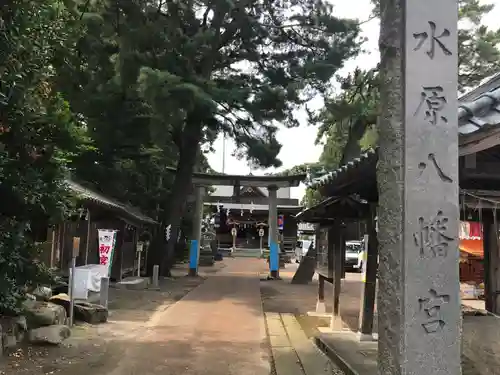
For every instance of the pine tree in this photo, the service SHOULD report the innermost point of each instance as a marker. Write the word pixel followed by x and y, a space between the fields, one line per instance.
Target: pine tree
pixel 39 136
pixel 352 115
pixel 205 67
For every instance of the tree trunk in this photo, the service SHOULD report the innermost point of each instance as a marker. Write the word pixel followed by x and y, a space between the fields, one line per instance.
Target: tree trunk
pixel 188 153
pixel 352 148
pixel 390 178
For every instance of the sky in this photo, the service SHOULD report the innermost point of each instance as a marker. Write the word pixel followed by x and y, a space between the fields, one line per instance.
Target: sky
pixel 298 143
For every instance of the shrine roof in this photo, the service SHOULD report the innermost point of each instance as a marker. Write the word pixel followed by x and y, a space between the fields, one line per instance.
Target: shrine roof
pixel 479 116
pixel 479 129
pixel 361 172
pixel 348 208
pixel 123 210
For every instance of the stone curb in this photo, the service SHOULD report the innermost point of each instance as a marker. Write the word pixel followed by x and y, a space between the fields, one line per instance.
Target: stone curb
pixel 334 356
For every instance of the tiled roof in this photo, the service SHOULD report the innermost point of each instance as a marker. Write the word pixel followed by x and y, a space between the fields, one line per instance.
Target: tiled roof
pixel 480 113
pixel 363 158
pixel 478 110
pixel 87 194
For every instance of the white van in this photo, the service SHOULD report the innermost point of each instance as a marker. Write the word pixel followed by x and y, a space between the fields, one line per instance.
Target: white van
pixel 301 249
pixel 354 255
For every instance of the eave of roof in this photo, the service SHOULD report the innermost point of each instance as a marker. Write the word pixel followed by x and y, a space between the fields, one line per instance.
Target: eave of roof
pixel 90 195
pixel 358 209
pixel 365 157
pixel 478 111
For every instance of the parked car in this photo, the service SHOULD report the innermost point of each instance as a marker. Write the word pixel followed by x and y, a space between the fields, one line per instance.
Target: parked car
pixel 354 251
pixel 301 249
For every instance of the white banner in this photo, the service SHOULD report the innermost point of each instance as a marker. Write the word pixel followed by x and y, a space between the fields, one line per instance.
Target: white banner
pixel 107 242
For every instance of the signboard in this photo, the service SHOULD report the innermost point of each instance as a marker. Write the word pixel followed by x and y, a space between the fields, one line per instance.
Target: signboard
pixel 234 232
pixel 76 246
pixel 107 242
pixel 281 221
pixel 140 246
pixel 324 264
pixel 261 232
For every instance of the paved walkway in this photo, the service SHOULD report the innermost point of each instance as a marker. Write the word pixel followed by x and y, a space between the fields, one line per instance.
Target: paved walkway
pixel 217 329
pixel 293 352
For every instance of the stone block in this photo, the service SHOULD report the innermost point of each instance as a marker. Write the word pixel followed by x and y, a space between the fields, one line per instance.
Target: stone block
pixel 54 334
pixel 41 314
pixel 61 299
pixel 206 260
pixel 42 293
pixel 9 341
pixel 90 313
pixel 133 283
pixel 11 332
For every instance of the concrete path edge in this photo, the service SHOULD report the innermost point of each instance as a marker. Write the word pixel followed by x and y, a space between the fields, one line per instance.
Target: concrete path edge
pixel 334 356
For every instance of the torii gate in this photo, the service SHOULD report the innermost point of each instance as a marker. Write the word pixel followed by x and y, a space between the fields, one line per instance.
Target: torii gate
pixel 272 183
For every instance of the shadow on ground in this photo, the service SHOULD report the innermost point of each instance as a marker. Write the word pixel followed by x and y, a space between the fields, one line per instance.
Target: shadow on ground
pixel 481 334
pixel 172 357
pixel 100 348
pixel 283 297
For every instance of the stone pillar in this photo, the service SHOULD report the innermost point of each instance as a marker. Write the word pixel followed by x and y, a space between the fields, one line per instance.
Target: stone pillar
pixel 274 263
pixel 156 277
pixel 194 248
pixel 368 291
pixel 417 173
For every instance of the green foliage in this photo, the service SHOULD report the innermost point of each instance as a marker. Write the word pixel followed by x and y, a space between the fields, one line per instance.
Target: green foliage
pixel 478 46
pixel 157 81
pixel 38 138
pixel 311 197
pixel 345 118
pixel 240 66
pixel 347 122
pixel 313 170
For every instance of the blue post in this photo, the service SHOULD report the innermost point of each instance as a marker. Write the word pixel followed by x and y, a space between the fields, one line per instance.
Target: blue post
pixel 194 248
pixel 274 264
pixel 193 257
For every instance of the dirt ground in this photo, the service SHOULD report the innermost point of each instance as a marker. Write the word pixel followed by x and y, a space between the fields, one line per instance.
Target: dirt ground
pixel 91 347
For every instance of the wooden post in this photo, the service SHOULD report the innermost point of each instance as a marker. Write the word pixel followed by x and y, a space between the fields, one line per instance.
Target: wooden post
pixel 89 231
pixel 74 254
pixel 368 291
pixel 320 304
pixel 491 267
pixel 489 290
pixel 53 247
pixel 336 235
